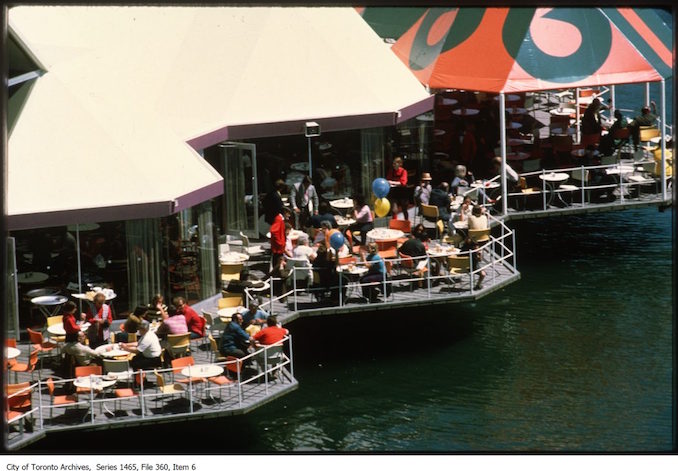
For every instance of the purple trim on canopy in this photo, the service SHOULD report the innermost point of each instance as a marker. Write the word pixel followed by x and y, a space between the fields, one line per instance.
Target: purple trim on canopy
pixel 286 128
pixel 416 109
pixel 199 196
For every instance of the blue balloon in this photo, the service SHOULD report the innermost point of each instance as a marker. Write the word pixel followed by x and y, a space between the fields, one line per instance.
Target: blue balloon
pixel 337 240
pixel 380 187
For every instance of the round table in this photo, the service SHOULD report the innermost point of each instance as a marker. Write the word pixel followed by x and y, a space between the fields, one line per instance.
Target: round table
pixel 342 203
pixel 562 111
pixel 95 382
pixel 382 233
pixel 553 180
pixel 233 258
pixel 300 166
pixel 32 277
pixel 461 225
pixel 264 287
pixel 488 185
pixel 58 329
pixel 202 371
pixel 425 117
pixel 516 110
pixel 513 125
pixel 620 170
pixel 353 269
pixel 465 112
pixel 226 312
pixel 449 101
pixel 11 353
pixel 344 222
pixel 438 132
pixel 108 294
pixel 440 251
pixel 509 98
pixel 49 305
pixel 518 142
pixel 114 351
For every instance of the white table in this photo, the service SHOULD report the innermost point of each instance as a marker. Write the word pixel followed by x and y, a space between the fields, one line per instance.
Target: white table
pixel 449 101
pixel 226 312
pixel 111 351
pixel 109 296
pixel 343 221
pixel 11 353
pixel 202 371
pixel 342 203
pixel 516 110
pixel 461 225
pixel 425 117
pixel 58 329
pixel 488 185
pixel 658 139
pixel 553 181
pixel 518 142
pixel 513 125
pixel 465 112
pixel 354 273
pixel 563 111
pixel 94 382
pixel 439 251
pixel 300 166
pixel 620 170
pixel 382 233
pixel 31 277
pixel 438 132
pixel 233 258
pixel 264 287
pixel 49 305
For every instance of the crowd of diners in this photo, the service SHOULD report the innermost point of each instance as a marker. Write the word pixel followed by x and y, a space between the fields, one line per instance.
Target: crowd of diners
pixel 312 248
pixel 144 333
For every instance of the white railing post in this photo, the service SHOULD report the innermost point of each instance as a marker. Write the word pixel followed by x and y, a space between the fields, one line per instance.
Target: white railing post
pixel 470 265
pixel 583 185
pixel 662 137
pixel 291 355
pixel 341 296
pixel 266 369
pixel 294 281
pixel 428 275
pixel 543 187
pixel 142 398
pixel 621 183
pixel 91 398
pixel 190 389
pixel 240 364
pixel 40 403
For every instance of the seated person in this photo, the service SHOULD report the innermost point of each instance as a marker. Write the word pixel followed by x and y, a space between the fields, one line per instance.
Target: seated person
pixel 254 319
pixel 173 324
pixel 272 334
pixel 235 341
pixel 147 349
pixel 322 234
pixel 440 198
pixel 422 192
pixel 478 218
pixel 363 219
pixel 464 210
pixel 82 353
pixel 376 271
pixel 131 326
pixel 303 249
pixel 324 214
pixel 158 304
pixel 419 231
pixel 414 247
pixel 644 119
pixel 328 279
pixel 461 181
pixel 194 322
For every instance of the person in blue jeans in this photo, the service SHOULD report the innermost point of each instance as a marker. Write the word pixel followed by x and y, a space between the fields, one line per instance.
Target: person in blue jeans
pixel 376 271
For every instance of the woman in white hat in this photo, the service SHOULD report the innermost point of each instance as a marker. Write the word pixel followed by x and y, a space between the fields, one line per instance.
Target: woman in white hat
pixel 422 192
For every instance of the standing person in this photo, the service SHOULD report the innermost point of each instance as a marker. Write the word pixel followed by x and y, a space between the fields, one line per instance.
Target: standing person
pixel 590 122
pixel 278 240
pixel 364 222
pixel 422 192
pixel 147 349
pixel 100 316
pixel 70 323
pixel 304 200
pixel 273 203
pixel 194 323
pixel 441 199
pixel 397 178
pixel 644 119
pixel 234 340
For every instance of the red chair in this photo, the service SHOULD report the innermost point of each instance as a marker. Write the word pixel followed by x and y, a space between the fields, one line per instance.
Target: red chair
pixel 400 225
pixel 18 402
pixel 81 371
pixel 39 344
pixel 233 365
pixel 347 260
pixel 63 400
pixel 29 367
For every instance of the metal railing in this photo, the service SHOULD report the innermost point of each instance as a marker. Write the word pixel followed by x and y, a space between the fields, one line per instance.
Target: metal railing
pixel 499 250
pixel 271 361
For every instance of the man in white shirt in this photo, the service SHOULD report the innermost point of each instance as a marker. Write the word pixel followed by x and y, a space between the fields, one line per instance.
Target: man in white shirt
pixel 82 353
pixel 147 349
pixel 303 249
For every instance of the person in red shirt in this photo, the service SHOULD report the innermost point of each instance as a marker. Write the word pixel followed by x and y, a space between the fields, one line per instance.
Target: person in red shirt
pixel 195 323
pixel 278 238
pixel 397 178
pixel 397 175
pixel 70 323
pixel 272 334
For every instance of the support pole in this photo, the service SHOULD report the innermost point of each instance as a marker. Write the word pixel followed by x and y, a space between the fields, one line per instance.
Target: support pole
pixel 577 114
pixel 310 161
pixel 502 140
pixel 662 129
pixel 647 93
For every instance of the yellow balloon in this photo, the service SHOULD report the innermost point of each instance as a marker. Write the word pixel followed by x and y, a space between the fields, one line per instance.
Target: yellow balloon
pixel 382 206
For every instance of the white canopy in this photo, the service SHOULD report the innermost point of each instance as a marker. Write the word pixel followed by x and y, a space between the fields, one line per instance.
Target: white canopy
pixel 130 94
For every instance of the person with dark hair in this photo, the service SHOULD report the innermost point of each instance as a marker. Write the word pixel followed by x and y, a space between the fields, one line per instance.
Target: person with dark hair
pixel 272 334
pixel 478 218
pixel 194 323
pixel 364 222
pixel 304 200
pixel 273 203
pixel 440 197
pixel 644 119
pixel 419 231
pixel 278 239
pixel 397 178
pixel 590 122
pixel 147 349
pixel 323 214
pixel 376 271
pixel 82 353
pixel 172 324
pixel 70 323
pixel 158 303
pixel 235 341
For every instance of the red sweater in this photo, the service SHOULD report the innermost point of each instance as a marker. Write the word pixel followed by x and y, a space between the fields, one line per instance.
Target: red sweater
pixel 397 176
pixel 194 322
pixel 270 335
pixel 278 234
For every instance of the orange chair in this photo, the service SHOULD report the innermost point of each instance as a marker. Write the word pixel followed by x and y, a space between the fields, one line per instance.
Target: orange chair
pixel 347 260
pixel 400 225
pixel 64 400
pixel 179 364
pixel 10 343
pixel 233 365
pixel 29 367
pixel 18 402
pixel 39 344
pixel 81 371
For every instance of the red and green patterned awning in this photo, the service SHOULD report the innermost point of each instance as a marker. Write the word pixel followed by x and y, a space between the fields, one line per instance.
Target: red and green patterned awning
pixel 527 49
